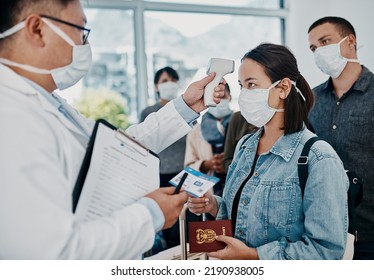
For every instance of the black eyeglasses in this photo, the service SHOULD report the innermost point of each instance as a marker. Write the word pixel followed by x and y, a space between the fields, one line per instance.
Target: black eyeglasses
pixel 85 31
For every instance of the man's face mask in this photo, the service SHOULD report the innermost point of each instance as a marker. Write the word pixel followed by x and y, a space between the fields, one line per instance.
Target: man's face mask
pixel 66 76
pixel 330 61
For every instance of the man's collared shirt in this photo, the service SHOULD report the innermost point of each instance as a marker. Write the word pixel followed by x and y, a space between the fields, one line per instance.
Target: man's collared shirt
pixel 53 99
pixel 347 123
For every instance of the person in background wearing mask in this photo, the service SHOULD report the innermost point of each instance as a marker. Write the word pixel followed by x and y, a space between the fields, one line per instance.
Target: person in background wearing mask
pixel 344 114
pixel 172 158
pixel 262 195
pixel 44 46
pixel 205 143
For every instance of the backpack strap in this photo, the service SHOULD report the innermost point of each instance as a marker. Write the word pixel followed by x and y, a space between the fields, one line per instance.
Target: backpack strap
pixel 302 163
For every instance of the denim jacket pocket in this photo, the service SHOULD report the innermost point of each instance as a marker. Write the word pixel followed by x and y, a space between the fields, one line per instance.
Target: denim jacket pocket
pixel 278 203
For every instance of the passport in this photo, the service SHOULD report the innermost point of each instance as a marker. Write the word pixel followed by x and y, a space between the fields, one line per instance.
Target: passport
pixel 202 235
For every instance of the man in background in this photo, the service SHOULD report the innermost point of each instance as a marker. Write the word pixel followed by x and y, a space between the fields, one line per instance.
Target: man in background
pixel 344 114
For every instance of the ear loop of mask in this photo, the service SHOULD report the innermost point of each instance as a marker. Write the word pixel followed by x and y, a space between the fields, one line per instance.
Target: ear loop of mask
pixel 59 32
pixel 347 59
pixel 299 91
pixel 21 25
pixel 273 85
pixel 13 30
pixel 29 68
pixel 26 67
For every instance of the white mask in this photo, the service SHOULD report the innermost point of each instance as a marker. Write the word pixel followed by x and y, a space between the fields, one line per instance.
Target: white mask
pixel 330 61
pixel 66 76
pixel 168 90
pixel 221 110
pixel 254 106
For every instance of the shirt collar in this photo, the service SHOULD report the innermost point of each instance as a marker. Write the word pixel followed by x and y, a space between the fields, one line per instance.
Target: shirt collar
pixel 327 86
pixel 43 92
pixel 363 80
pixel 360 85
pixel 61 109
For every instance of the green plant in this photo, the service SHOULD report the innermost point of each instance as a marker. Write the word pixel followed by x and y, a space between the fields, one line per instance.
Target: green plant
pixel 104 104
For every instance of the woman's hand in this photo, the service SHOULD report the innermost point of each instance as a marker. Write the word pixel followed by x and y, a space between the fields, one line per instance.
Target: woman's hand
pixel 204 204
pixel 235 250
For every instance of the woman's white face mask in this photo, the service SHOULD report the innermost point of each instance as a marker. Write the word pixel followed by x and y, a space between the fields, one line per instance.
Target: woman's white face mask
pixel 254 107
pixel 66 76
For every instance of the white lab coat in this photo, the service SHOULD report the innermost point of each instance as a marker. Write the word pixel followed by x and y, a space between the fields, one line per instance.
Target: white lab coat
pixel 40 156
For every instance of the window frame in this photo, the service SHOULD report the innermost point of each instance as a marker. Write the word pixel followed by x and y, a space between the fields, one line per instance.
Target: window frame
pixel 141 6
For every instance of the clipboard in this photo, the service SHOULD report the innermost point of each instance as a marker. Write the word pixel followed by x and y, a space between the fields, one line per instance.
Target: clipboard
pixel 140 151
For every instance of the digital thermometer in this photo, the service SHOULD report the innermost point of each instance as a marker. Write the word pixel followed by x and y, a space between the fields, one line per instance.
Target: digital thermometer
pixel 221 67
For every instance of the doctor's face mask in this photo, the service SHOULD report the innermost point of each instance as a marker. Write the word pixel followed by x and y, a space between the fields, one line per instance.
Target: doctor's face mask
pixel 66 76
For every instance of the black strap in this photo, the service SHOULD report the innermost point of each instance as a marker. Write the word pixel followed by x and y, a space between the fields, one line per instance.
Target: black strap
pixel 235 204
pixel 302 163
pixel 355 194
pixel 355 190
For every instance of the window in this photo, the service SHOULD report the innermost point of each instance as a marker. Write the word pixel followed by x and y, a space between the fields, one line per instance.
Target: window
pixel 132 39
pixel 113 66
pixel 113 48
pixel 186 41
pixel 263 4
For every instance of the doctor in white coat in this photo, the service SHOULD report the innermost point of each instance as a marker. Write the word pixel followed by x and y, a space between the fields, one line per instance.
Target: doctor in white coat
pixel 43 46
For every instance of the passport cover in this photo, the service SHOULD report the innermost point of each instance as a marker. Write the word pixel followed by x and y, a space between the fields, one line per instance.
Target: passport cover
pixel 202 235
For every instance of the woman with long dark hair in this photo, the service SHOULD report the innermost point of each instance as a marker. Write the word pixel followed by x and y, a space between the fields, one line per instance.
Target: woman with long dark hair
pixel 262 195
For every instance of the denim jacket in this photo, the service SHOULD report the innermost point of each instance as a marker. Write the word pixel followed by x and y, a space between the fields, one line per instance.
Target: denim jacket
pixel 272 216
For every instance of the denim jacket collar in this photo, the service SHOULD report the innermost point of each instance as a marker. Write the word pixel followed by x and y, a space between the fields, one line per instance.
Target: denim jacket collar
pixel 287 144
pixel 284 147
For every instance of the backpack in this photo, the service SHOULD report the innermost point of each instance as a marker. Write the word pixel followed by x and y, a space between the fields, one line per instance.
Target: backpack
pixel 354 195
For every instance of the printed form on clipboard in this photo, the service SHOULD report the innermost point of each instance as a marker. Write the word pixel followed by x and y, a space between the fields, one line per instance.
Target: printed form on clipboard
pixel 116 171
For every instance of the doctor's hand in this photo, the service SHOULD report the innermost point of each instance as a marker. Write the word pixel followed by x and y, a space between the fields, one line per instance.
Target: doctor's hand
pixel 194 95
pixel 204 204
pixel 235 250
pixel 170 204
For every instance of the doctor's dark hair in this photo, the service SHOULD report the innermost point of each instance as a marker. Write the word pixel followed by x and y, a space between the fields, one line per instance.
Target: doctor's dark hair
pixel 343 26
pixel 278 63
pixel 170 71
pixel 14 11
